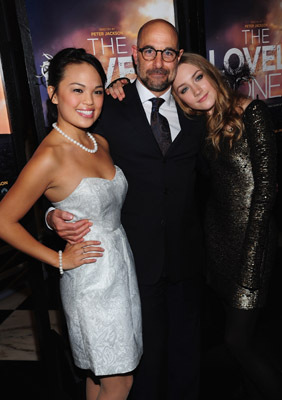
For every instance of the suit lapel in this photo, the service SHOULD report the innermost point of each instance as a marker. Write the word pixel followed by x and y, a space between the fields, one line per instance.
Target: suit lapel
pixel 135 114
pixel 134 109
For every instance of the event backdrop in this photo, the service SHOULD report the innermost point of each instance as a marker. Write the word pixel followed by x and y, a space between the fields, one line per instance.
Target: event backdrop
pixel 105 28
pixel 238 35
pixel 6 149
pixel 248 33
pixel 4 120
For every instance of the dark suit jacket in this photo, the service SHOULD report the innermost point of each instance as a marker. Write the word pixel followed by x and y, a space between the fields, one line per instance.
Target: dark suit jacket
pixel 160 211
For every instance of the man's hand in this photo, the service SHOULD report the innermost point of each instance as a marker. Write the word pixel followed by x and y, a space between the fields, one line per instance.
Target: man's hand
pixel 72 232
pixel 115 89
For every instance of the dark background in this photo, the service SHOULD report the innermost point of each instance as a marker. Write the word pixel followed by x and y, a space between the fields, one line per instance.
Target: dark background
pixel 54 375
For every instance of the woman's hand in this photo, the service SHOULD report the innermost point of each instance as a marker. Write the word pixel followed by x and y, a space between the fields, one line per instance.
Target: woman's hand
pixel 77 254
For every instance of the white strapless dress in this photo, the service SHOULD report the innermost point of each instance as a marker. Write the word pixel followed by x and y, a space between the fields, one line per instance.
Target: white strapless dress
pixel 101 300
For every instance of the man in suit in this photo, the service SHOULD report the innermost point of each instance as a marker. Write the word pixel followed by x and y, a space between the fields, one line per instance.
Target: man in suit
pixel 159 216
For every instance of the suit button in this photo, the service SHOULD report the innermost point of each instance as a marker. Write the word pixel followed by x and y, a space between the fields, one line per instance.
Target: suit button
pixel 162 223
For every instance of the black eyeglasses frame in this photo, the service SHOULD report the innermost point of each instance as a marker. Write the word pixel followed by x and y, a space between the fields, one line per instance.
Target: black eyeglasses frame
pixel 176 52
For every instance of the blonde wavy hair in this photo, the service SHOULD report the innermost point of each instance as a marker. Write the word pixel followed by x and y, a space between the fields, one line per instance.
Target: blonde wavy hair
pixel 225 121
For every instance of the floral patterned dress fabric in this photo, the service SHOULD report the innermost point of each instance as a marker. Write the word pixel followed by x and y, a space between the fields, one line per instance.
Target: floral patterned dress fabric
pixel 101 300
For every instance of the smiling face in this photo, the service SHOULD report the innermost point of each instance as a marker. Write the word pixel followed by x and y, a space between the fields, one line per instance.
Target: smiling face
pixel 157 75
pixel 79 97
pixel 193 88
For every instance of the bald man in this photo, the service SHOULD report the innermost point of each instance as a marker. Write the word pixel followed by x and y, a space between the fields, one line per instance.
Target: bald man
pixel 159 215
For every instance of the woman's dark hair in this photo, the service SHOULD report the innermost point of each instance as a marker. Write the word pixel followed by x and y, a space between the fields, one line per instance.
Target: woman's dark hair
pixel 57 68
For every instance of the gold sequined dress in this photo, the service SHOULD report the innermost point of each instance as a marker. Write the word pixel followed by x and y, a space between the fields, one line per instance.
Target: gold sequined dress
pixel 239 232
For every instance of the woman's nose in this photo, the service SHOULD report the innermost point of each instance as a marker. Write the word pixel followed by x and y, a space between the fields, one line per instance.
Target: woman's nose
pixel 88 99
pixel 196 89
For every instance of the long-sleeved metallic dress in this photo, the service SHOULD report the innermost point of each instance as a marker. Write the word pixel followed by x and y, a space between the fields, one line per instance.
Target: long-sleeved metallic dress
pixel 239 232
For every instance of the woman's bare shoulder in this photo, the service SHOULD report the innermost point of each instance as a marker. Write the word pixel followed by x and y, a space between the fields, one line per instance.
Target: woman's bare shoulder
pixel 48 154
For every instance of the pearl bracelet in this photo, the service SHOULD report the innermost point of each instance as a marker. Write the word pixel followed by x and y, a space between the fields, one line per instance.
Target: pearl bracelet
pixel 61 262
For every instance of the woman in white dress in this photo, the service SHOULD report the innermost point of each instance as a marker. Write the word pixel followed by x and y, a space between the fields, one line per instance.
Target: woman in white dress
pixel 74 170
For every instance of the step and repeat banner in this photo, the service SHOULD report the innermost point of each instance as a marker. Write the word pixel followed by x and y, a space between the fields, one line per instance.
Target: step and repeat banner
pixel 7 159
pixel 244 40
pixel 4 120
pixel 105 29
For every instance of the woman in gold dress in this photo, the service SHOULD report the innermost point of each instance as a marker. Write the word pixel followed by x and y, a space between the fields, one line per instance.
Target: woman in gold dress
pixel 240 238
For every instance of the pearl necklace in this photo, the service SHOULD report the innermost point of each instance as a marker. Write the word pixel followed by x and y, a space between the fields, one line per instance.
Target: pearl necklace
pixel 77 143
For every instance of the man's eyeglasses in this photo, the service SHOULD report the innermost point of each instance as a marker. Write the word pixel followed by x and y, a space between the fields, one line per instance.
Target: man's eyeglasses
pixel 149 54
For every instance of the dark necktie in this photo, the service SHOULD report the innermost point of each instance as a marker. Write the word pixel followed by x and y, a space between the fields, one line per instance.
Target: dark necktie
pixel 160 126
